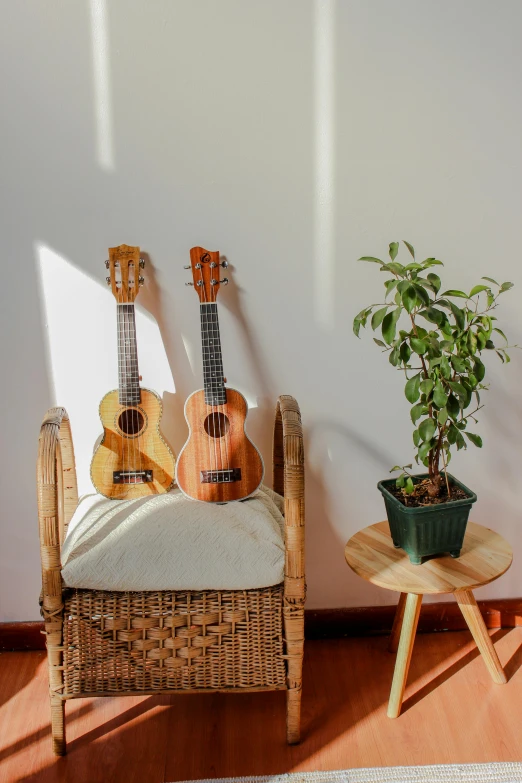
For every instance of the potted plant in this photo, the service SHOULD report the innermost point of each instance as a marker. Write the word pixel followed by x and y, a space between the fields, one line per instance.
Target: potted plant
pixel 436 339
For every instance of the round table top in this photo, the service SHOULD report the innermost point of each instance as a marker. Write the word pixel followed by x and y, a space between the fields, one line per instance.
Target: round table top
pixel 485 556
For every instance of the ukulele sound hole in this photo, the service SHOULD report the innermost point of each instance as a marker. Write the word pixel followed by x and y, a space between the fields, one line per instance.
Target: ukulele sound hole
pixel 130 421
pixel 216 425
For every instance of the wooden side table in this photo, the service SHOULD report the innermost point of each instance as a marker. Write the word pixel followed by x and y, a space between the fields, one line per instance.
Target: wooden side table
pixel 484 557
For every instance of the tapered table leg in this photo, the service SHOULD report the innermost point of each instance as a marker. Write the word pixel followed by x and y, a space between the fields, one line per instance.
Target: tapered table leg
pixel 468 605
pixel 402 664
pixel 397 624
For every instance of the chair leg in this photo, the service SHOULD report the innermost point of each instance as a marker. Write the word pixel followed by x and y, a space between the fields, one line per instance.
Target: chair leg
pixel 402 664
pixel 293 716
pixel 293 616
pixel 468 606
pixel 58 725
pixel 393 644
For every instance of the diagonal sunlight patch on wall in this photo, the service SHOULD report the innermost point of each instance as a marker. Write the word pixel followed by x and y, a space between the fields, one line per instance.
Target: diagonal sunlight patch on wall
pixel 80 326
pixel 324 110
pixel 101 83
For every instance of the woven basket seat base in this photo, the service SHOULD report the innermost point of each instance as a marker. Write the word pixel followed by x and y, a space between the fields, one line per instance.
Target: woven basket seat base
pixel 171 641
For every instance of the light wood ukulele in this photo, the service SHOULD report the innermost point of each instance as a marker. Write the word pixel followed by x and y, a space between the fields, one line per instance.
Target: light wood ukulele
pixel 132 459
pixel 218 463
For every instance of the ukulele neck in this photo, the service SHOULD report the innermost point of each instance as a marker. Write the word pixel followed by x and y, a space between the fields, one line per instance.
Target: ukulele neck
pixel 128 373
pixel 214 382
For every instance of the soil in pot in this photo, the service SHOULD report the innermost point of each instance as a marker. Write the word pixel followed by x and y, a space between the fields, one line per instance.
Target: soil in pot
pixel 420 496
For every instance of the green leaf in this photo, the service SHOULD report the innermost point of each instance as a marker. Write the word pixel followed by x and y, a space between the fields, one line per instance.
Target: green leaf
pixel 372 259
pixel 477 289
pixel 410 248
pixel 394 249
pixel 461 443
pixel 460 318
pixel 479 370
pixel 500 357
pixel 416 437
pixel 452 434
pixel 490 280
pixel 439 396
pixel 395 467
pixel 419 346
pixel 400 482
pixel 453 292
pixel 506 286
pixel 424 449
pixel 422 294
pixel 394 357
pixel 490 345
pixel 501 333
pixel 356 326
pixel 475 439
pixel 459 365
pixel 378 317
pixel 442 416
pixel 390 285
pixel 417 411
pixel 409 298
pixel 389 325
pixel 427 429
pixel 405 352
pixel 426 386
pixel 396 268
pixel 433 315
pixel 409 488
pixel 453 406
pixel 432 262
pixel 445 367
pixel 379 343
pixel 412 389
pixel 435 281
pixel 458 388
pixel 472 342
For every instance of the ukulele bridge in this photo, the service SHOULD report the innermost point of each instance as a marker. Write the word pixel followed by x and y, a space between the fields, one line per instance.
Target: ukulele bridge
pixel 132 476
pixel 220 476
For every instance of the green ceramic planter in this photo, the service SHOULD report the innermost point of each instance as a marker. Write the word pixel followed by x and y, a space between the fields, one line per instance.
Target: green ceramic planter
pixel 428 530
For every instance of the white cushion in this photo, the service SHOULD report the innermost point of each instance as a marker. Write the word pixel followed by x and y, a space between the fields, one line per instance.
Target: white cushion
pixel 169 542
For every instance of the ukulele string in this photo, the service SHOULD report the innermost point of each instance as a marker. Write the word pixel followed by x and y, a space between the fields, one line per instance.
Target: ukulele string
pixel 135 369
pixel 223 417
pixel 217 382
pixel 121 360
pixel 204 320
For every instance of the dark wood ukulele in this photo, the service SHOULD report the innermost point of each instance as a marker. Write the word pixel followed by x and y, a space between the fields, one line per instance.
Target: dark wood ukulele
pixel 132 459
pixel 218 463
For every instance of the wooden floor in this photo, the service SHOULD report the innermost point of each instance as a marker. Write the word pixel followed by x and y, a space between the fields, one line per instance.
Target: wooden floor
pixel 453 713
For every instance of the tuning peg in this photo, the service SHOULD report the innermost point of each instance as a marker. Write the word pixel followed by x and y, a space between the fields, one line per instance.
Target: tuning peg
pixel 142 263
pixel 224 264
pixel 108 279
pixel 107 264
pixel 187 266
pixel 141 280
pixel 224 281
pixel 189 283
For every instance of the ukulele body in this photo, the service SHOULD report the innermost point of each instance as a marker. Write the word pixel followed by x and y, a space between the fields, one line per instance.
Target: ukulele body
pixel 132 460
pixel 218 443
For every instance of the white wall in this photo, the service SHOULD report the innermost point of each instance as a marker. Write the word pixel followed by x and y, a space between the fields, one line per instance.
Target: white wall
pixel 294 137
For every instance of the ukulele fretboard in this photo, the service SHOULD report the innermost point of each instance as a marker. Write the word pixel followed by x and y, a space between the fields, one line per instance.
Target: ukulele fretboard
pixel 128 373
pixel 215 391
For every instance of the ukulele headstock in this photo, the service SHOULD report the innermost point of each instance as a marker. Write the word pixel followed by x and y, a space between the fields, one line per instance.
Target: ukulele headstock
pixel 124 265
pixel 205 267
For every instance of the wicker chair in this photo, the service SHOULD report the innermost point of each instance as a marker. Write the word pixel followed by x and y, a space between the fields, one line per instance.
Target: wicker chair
pixel 106 643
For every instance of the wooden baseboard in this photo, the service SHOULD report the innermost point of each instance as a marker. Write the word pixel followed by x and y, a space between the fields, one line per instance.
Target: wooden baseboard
pixel 330 623
pixel 22 636
pixel 369 620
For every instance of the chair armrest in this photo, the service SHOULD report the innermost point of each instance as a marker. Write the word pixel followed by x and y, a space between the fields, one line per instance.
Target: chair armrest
pixel 57 499
pixel 288 461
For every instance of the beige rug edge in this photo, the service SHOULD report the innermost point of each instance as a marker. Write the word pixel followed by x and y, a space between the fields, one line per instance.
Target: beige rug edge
pixel 497 772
